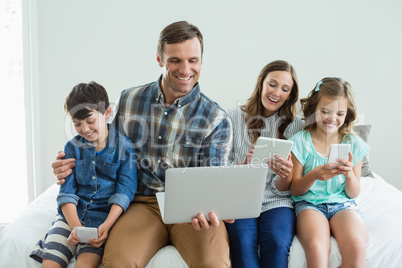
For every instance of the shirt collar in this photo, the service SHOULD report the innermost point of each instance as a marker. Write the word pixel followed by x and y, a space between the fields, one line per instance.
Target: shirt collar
pixel 273 117
pixel 111 138
pixel 180 101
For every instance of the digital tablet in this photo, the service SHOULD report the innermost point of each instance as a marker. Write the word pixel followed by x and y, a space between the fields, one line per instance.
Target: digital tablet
pixel 266 148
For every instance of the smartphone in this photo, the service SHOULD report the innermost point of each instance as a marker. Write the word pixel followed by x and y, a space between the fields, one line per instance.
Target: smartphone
pixel 87 233
pixel 338 151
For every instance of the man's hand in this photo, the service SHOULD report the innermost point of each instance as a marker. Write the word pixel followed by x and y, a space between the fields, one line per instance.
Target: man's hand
pixel 200 222
pixel 62 167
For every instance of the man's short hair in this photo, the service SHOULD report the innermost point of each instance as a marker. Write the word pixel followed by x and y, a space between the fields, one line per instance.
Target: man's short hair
pixel 178 32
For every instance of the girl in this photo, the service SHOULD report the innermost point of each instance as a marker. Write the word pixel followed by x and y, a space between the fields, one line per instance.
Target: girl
pixel 270 112
pixel 324 192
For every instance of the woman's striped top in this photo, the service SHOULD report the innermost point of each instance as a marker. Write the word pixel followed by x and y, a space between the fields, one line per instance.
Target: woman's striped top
pixel 241 145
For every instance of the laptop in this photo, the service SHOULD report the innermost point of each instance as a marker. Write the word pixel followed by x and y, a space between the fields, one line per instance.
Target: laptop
pixel 231 192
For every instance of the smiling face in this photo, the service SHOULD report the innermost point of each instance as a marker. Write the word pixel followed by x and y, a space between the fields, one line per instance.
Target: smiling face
pixel 94 128
pixel 181 63
pixel 330 114
pixel 276 89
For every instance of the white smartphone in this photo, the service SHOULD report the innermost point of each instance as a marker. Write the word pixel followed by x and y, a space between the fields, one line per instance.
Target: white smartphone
pixel 338 151
pixel 87 233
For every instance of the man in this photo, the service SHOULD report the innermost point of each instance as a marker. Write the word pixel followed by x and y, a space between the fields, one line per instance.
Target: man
pixel 172 124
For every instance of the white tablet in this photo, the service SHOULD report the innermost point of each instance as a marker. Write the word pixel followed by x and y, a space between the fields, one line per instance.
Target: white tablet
pixel 266 148
pixel 231 192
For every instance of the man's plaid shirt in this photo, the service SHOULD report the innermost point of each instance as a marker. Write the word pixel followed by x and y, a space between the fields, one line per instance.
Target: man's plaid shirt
pixel 194 131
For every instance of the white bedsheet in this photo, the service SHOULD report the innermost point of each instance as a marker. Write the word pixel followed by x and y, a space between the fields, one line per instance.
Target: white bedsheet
pixel 379 202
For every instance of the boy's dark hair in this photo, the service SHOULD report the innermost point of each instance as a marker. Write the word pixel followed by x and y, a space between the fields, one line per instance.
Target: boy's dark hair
pixel 84 98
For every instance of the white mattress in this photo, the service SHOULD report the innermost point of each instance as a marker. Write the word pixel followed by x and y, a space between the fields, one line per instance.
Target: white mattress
pixel 379 202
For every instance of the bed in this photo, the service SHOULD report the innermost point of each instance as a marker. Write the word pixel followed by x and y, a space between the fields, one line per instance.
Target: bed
pixel 379 202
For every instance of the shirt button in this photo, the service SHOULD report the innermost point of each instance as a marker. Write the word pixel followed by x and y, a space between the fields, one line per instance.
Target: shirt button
pixel 187 142
pixel 93 162
pixel 166 113
pixel 159 161
pixel 91 201
pixel 93 177
pixel 160 137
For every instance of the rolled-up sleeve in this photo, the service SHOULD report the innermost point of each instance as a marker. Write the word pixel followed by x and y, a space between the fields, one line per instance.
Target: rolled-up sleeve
pixel 127 177
pixel 120 199
pixel 67 192
pixel 218 145
pixel 275 189
pixel 63 198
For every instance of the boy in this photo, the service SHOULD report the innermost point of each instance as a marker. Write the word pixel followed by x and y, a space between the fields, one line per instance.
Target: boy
pixel 101 186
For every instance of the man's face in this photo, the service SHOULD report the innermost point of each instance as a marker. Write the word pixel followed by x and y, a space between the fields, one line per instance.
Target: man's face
pixel 181 65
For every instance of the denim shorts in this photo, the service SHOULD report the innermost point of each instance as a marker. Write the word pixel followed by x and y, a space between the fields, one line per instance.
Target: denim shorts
pixel 327 209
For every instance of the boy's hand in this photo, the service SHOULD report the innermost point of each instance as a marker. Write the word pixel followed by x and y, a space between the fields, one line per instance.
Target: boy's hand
pixel 102 236
pixel 73 239
pixel 62 167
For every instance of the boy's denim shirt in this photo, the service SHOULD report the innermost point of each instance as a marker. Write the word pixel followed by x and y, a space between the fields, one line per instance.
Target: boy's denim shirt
pixel 99 179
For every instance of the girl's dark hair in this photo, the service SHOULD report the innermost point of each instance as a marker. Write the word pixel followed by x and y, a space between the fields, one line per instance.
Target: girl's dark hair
pixel 255 109
pixel 84 98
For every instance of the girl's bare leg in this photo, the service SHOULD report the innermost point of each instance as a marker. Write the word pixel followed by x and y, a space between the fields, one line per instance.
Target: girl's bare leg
pixel 350 233
pixel 313 231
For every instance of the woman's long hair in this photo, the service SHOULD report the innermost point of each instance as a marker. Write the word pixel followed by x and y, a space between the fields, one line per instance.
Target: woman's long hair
pixel 255 119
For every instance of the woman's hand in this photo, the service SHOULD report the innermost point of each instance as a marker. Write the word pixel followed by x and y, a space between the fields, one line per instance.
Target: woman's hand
pixel 281 166
pixel 247 160
pixel 284 168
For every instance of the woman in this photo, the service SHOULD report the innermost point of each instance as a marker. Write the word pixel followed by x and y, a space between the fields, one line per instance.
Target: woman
pixel 270 112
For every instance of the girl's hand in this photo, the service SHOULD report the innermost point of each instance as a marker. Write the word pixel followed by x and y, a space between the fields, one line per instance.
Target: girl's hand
pixel 102 236
pixel 73 239
pixel 326 172
pixel 347 168
pixel 281 166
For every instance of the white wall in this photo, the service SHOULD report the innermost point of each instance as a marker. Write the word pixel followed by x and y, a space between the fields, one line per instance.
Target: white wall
pixel 114 43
